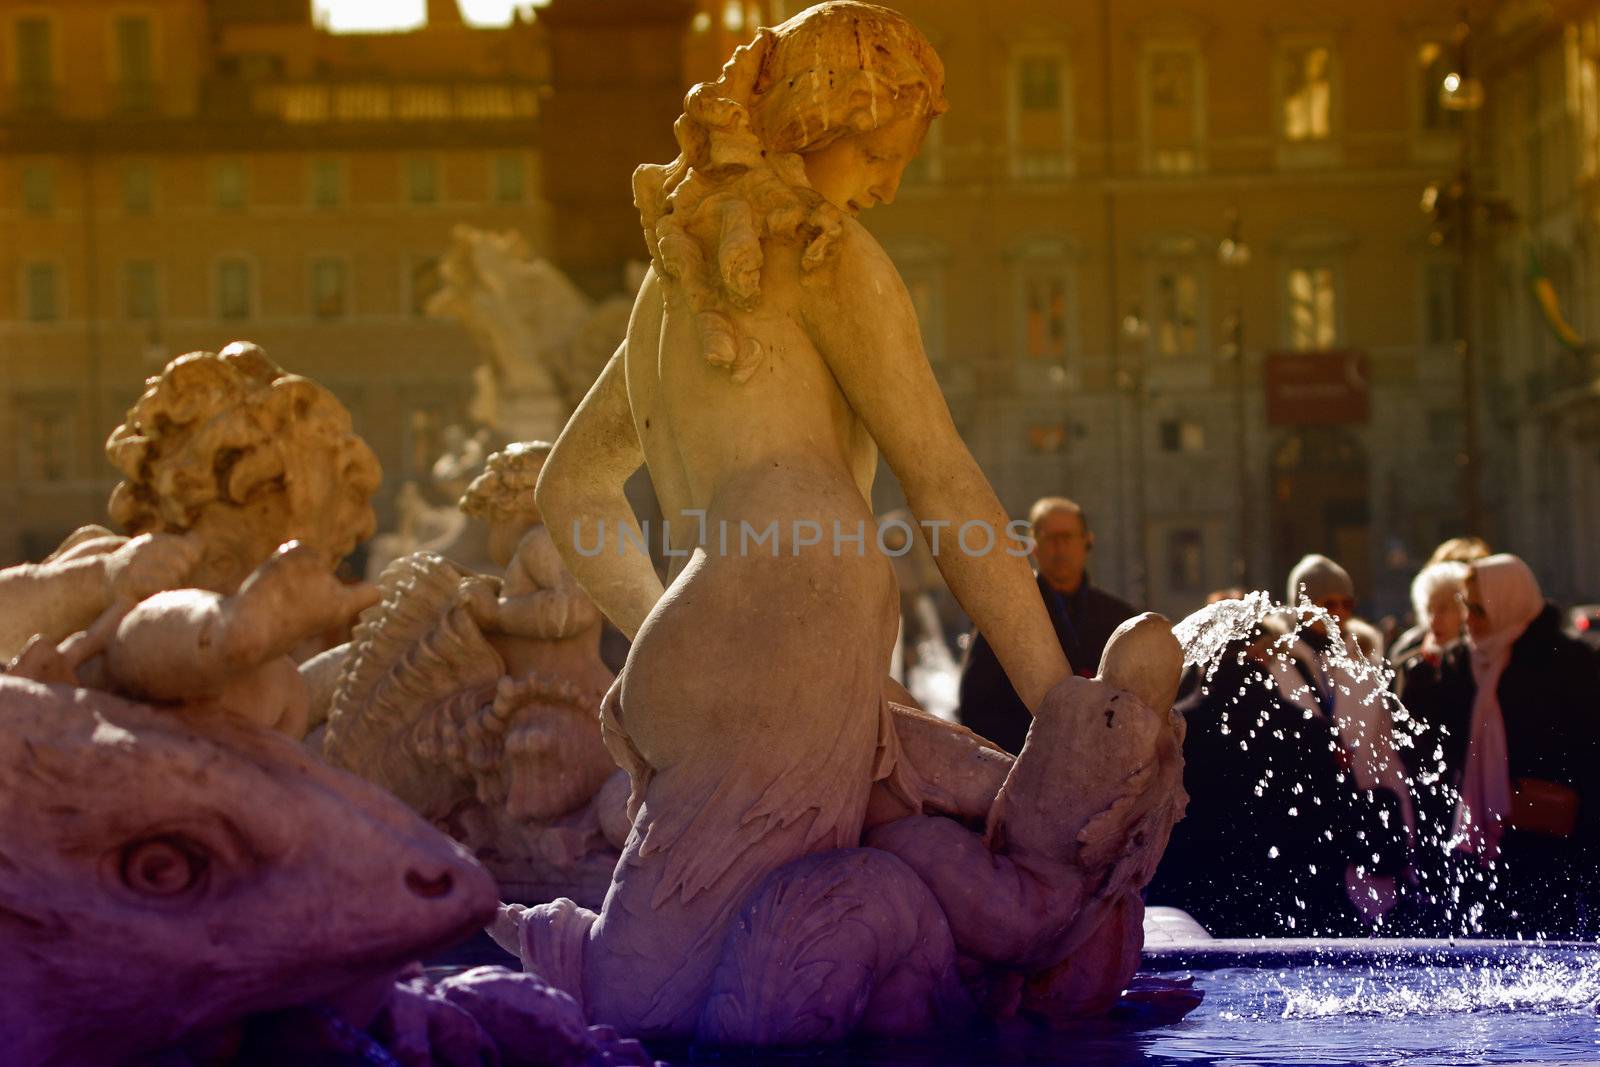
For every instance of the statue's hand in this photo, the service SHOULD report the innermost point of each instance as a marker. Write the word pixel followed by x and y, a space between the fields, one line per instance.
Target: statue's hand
pixel 288 598
pixel 150 564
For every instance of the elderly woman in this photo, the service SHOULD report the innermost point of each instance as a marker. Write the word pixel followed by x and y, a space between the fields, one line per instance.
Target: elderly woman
pixel 1420 678
pixel 1523 828
pixel 1432 736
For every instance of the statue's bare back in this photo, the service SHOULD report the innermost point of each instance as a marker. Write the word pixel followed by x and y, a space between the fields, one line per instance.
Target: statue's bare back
pixel 728 448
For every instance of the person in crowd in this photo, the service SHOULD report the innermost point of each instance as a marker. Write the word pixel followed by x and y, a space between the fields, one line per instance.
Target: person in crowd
pixel 1326 672
pixel 1525 824
pixel 1455 550
pixel 1434 737
pixel 1275 819
pixel 1084 617
pixel 1420 679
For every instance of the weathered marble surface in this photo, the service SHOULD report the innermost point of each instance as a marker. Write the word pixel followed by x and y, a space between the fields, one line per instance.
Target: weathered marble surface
pixel 787 877
pixel 225 457
pixel 179 887
pixel 475 698
pixel 242 457
pixel 545 340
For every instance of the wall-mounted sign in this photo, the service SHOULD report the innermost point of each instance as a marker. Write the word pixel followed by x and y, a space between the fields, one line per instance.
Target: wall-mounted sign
pixel 1317 388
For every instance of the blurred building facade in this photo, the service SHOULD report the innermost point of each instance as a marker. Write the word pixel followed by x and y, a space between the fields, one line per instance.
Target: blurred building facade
pixel 177 174
pixel 1066 238
pixel 1540 151
pixel 1168 257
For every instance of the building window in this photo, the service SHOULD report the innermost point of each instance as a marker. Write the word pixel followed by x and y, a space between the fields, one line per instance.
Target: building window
pixel 1307 94
pixel 42 292
pixel 1434 61
pixel 1185 560
pixel 510 179
pixel 424 439
pixel 135 63
pixel 1583 91
pixel 327 183
pixel 233 289
pixel 1041 120
pixel 1044 316
pixel 424 282
pixel 45 451
pixel 138 188
pixel 38 189
pixel 36 78
pixel 1439 303
pixel 1173 115
pixel 1445 426
pixel 1182 435
pixel 422 181
pixel 1175 323
pixel 228 184
pixel 329 291
pixel 1313 307
pixel 140 290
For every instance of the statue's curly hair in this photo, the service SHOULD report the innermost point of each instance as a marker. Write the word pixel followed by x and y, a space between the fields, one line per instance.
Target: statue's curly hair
pixel 839 68
pixel 504 491
pixel 222 428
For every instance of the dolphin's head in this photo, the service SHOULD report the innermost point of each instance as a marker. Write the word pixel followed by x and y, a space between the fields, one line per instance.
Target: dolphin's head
pixel 163 875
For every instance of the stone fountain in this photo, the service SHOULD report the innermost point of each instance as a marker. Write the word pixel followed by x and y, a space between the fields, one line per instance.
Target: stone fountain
pixel 805 858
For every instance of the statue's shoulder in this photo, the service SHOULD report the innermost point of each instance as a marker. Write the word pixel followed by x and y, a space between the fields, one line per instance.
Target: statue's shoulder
pixel 856 257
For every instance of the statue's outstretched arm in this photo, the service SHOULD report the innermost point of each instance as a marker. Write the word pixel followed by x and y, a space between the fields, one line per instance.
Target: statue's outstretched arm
pixel 68 591
pixel 866 328
pixel 188 644
pixel 581 495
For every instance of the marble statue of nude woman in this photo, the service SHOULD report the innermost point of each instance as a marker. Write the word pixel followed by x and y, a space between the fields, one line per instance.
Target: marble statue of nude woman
pixel 772 354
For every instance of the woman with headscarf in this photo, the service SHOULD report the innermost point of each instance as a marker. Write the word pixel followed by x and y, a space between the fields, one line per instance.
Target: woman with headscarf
pixel 1525 820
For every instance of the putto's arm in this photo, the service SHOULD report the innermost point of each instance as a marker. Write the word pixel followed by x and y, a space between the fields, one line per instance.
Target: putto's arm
pixel 581 495
pixel 540 597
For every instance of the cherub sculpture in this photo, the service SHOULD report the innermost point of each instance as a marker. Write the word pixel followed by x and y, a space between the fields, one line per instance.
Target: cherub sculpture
pixel 772 354
pixel 225 457
pixel 242 457
pixel 475 698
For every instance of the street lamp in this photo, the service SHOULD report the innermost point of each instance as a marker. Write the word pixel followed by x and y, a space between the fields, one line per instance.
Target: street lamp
pixel 1453 207
pixel 1233 255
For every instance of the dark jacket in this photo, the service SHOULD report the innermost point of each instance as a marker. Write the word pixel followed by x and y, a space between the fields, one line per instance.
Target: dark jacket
pixel 1274 816
pixel 1550 700
pixel 1436 691
pixel 1084 623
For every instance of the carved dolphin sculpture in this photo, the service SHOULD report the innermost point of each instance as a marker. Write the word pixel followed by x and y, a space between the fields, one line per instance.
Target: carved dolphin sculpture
pixel 165 874
pixel 1037 914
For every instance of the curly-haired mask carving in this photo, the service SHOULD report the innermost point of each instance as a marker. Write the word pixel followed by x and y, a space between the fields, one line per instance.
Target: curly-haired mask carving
pixel 230 446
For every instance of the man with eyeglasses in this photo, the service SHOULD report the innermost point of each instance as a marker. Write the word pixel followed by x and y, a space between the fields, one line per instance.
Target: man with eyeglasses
pixel 1084 617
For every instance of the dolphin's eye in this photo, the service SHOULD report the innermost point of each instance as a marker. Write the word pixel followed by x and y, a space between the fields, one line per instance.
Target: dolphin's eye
pixel 164 866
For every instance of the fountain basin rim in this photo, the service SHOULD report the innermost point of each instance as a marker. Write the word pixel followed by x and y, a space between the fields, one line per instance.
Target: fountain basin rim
pixel 1272 952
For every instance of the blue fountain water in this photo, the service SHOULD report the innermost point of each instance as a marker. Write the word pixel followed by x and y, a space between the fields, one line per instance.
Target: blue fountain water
pixel 1304 1002
pixel 1271 1003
